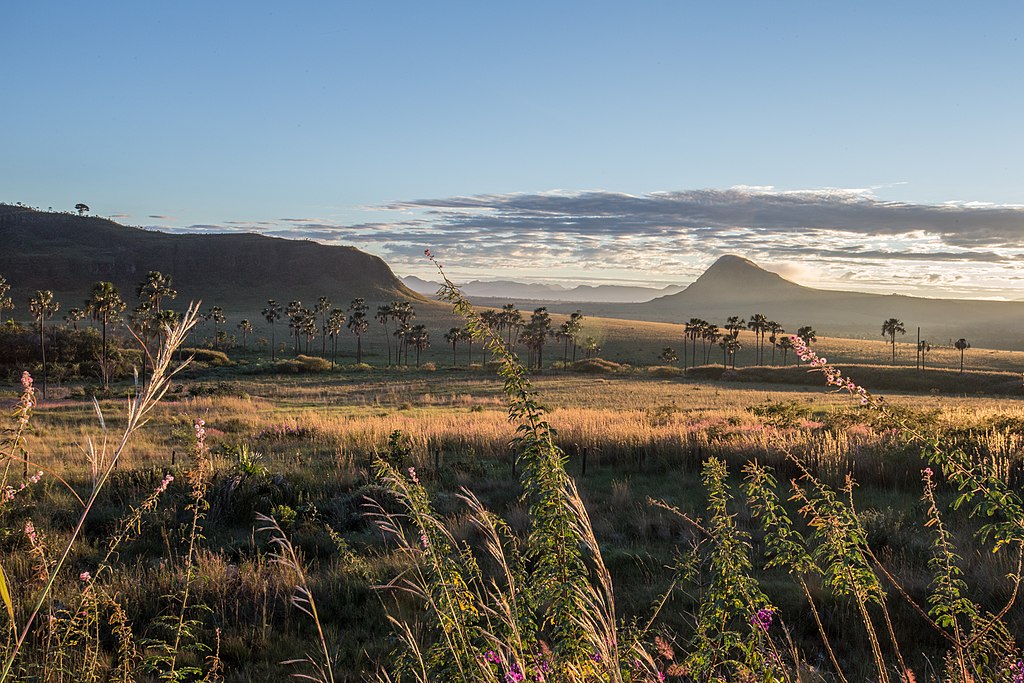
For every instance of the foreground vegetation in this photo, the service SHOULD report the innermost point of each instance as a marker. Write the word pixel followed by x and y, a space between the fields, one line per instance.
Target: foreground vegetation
pixel 709 530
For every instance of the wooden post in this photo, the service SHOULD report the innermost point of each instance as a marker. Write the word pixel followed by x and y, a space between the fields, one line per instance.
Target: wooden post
pixel 174 455
pixel 437 463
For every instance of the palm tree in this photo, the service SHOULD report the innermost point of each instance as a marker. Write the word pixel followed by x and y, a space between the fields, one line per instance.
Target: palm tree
pixel 295 320
pixel 668 355
pixel 961 346
pixel 42 307
pixel 492 319
pixel 216 314
pixel 309 327
pixel 73 316
pixel 591 347
pixel 540 329
pixel 512 321
pixel 758 323
pixel 923 347
pixel 335 324
pixel 420 340
pixel 155 288
pixel 807 334
pixel 143 319
pixel 730 347
pixel 272 313
pixel 6 303
pixel 574 328
pixel 690 332
pixel 403 312
pixel 774 329
pixel 890 328
pixel 785 344
pixel 245 327
pixel 384 314
pixel 453 337
pixel 402 341
pixel 358 324
pixel 322 308
pixel 709 337
pixel 467 336
pixel 105 306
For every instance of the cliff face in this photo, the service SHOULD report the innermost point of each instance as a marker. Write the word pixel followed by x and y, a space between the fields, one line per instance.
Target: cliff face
pixel 68 253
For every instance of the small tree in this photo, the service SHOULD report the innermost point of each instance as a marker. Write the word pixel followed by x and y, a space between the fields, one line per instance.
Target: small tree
pixel 358 323
pixel 807 334
pixel 43 306
pixel 384 313
pixel 245 327
pixel 322 308
pixel 419 338
pixel 295 320
pixel 668 355
pixel 81 208
pixel 961 346
pixel 6 303
pixel 335 324
pixel 216 314
pixel 453 337
pixel 785 344
pixel 73 316
pixel 272 313
pixel 105 306
pixel 890 328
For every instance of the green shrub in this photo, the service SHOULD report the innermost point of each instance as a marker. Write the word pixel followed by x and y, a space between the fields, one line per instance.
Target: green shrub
pixel 210 357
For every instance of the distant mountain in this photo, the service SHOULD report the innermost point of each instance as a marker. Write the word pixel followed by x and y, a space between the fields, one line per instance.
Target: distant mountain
pixel 68 253
pixel 737 286
pixel 507 289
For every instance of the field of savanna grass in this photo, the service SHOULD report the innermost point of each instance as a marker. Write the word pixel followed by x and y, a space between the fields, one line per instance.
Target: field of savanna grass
pixel 177 572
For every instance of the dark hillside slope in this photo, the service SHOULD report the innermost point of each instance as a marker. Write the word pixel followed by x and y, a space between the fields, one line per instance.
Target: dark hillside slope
pixel 68 253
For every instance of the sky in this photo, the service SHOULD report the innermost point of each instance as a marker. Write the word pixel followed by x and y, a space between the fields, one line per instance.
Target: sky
pixel 870 146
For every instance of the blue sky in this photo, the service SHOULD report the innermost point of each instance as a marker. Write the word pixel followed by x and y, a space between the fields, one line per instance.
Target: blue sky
pixel 346 117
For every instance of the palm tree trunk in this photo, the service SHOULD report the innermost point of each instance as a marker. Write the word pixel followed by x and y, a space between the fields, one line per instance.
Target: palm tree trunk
pixel 273 343
pixel 359 348
pixel 42 351
pixel 106 380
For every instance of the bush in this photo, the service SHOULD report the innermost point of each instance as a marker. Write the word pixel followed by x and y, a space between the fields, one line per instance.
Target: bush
pixel 664 371
pixel 302 364
pixel 598 366
pixel 216 359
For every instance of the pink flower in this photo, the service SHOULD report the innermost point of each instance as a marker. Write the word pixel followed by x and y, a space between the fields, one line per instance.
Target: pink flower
pixel 412 475
pixel 85 576
pixel 164 484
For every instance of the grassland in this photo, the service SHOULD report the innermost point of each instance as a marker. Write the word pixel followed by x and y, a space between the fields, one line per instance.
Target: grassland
pixel 644 436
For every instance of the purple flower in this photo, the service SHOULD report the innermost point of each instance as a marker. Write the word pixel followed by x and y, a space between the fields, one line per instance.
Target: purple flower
pixel 763 619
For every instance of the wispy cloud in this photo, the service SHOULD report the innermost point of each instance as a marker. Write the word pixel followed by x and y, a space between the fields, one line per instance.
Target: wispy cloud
pixel 841 235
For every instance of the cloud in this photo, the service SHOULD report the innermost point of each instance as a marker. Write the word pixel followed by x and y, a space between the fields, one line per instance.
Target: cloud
pixel 160 218
pixel 830 234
